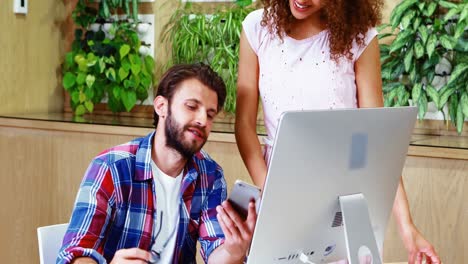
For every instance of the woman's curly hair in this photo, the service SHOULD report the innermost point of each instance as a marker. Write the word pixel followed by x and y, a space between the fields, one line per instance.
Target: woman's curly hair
pixel 345 20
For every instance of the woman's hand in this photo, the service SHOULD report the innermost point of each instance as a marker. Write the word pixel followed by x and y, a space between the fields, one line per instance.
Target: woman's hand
pixel 419 248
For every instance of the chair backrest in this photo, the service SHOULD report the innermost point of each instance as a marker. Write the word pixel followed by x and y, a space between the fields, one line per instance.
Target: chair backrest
pixel 50 240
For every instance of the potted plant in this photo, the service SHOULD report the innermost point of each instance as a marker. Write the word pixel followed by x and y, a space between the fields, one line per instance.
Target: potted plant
pixel 195 36
pixel 105 62
pixel 427 61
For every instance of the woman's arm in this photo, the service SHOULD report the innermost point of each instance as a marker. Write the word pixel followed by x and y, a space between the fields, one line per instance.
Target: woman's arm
pixel 368 77
pixel 369 94
pixel 246 113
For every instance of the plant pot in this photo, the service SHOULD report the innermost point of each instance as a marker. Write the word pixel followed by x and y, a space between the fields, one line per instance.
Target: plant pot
pixel 142 28
pixel 95 27
pixel 144 50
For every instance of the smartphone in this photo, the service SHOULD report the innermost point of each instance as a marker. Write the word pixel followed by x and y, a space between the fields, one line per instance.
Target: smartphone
pixel 241 195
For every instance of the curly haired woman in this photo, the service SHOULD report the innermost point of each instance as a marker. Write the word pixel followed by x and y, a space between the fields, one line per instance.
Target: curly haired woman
pixel 312 54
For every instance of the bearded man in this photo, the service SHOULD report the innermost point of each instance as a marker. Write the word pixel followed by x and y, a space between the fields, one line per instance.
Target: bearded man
pixel 151 199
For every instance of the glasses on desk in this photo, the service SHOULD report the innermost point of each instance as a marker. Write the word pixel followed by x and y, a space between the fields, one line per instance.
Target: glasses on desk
pixel 156 250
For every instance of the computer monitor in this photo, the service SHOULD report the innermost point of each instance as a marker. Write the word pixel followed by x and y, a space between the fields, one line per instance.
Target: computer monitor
pixel 318 157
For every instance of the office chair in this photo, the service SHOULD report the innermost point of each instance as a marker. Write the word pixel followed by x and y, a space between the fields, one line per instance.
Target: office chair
pixel 50 240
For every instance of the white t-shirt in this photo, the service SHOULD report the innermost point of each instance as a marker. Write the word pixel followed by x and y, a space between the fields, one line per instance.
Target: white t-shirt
pixel 299 74
pixel 168 197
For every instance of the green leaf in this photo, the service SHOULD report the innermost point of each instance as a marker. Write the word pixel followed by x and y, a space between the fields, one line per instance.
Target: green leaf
pixel 102 65
pixel 149 63
pixel 135 60
pixel 381 27
pixel 431 44
pixel 90 80
pixel 388 102
pixel 447 4
pixel 243 3
pixel 460 70
pixel 136 68
pixel 422 105
pixel 89 106
pixel 384 58
pixel 464 103
pixel 460 117
pixel 75 97
pixel 129 84
pixel 384 48
pixel 145 81
pixel 82 97
pixel 89 92
pixel 126 64
pixel 116 92
pixel 123 73
pixel 460 29
pixel 464 14
pixel 80 110
pixel 408 60
pixel 417 22
pixel 109 60
pixel 402 95
pixel 391 95
pixel 128 99
pixel 430 9
pixel 91 59
pixel 430 76
pixel 83 65
pixel 142 93
pixel 421 6
pixel 81 78
pixel 462 45
pixel 416 92
pixel 399 11
pixel 423 33
pixel 78 58
pixel 135 79
pixel 69 79
pixel 450 14
pixel 384 35
pixel 387 87
pixel 387 73
pixel 447 42
pixel 404 101
pixel 69 59
pixel 110 74
pixel 407 18
pixel 414 75
pixel 444 95
pixel 401 40
pixel 452 108
pixel 124 50
pixel 434 59
pixel 418 49
pixel 433 94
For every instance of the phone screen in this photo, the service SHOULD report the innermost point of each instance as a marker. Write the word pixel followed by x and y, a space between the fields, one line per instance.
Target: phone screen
pixel 241 195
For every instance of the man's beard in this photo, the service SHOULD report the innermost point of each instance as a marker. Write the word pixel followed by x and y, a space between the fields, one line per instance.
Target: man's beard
pixel 175 138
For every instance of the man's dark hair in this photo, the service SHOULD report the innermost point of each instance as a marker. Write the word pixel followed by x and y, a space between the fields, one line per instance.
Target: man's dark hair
pixel 178 73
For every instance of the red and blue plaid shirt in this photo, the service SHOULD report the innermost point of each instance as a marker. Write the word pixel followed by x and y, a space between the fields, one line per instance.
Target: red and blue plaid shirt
pixel 114 208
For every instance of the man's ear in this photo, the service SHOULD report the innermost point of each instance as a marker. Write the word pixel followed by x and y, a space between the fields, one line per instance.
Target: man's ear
pixel 161 105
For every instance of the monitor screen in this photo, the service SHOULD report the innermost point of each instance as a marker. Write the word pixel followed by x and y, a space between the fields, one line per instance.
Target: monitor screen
pixel 317 157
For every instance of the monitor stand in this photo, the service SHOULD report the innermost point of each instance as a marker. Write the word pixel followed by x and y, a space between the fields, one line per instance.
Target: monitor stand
pixel 359 235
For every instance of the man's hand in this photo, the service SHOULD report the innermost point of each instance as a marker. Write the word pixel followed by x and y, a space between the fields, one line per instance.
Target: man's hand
pixel 238 233
pixel 419 248
pixel 131 256
pixel 84 260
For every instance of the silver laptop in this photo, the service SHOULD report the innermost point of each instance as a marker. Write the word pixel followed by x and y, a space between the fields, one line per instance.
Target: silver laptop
pixel 317 157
